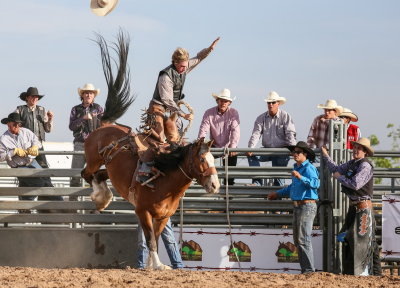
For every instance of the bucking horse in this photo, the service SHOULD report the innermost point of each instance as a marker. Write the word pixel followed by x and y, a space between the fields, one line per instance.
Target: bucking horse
pixel 115 146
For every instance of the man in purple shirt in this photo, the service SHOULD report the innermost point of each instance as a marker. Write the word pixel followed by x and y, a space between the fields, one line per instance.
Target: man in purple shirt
pixel 222 123
pixel 84 119
pixel 356 177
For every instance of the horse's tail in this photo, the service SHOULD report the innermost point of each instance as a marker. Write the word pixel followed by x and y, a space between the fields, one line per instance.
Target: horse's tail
pixel 119 96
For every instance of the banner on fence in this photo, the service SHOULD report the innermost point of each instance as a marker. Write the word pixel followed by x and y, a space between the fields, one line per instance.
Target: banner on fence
pixel 391 226
pixel 261 250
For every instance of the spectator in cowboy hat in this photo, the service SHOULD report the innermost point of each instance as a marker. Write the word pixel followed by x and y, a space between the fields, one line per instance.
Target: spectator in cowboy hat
pixel 304 192
pixel 222 123
pixel 277 130
pixel 40 122
pixel 318 135
pixel 84 119
pixel 356 179
pixel 19 146
pixel 102 7
pixel 353 131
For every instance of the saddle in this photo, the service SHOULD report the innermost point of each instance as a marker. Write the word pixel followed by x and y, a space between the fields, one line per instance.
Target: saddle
pixel 148 149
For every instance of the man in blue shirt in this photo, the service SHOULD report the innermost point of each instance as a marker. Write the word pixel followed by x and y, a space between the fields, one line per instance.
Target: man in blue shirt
pixel 303 192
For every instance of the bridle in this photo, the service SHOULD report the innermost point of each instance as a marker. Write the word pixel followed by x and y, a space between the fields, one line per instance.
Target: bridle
pixel 209 171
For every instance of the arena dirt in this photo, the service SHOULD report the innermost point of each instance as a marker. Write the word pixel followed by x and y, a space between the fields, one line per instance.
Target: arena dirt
pixel 36 278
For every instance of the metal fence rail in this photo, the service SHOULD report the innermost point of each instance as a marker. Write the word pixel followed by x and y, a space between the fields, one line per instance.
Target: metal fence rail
pixel 248 206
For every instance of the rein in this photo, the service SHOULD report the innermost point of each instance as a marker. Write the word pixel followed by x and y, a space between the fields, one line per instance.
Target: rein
pixel 109 151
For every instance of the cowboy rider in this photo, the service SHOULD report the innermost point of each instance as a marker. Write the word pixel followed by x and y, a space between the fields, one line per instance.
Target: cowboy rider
pixel 168 92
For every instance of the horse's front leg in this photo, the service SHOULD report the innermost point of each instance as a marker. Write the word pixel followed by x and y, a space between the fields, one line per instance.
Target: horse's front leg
pixel 151 234
pixel 101 194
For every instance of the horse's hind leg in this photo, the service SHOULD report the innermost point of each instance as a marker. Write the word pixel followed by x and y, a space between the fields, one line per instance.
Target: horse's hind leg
pixel 101 194
pixel 151 241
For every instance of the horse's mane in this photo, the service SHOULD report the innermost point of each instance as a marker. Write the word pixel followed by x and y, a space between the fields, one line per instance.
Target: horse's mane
pixel 170 161
pixel 119 96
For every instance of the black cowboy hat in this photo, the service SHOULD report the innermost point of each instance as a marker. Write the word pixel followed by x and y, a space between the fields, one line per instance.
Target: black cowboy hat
pixel 13 117
pixel 32 91
pixel 303 146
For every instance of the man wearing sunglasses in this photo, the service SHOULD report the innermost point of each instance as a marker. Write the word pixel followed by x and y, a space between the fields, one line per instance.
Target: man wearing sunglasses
pixel 303 192
pixel 277 130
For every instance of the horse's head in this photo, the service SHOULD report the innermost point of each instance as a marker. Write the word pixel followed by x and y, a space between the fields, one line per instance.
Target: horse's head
pixel 203 167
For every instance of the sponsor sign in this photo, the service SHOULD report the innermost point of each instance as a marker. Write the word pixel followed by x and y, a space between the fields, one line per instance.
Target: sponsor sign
pixel 391 226
pixel 261 250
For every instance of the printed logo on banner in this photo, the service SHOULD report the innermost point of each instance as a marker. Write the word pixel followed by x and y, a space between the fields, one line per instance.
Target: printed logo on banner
pixel 287 252
pixel 239 252
pixel 191 251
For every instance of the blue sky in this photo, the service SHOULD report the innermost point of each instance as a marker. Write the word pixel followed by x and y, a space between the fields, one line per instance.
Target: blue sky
pixel 308 51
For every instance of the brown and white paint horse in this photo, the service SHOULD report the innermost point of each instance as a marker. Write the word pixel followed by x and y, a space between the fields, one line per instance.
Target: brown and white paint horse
pixel 113 146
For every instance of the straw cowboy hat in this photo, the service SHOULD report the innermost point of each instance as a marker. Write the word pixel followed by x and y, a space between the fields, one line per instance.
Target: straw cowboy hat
pixel 348 113
pixel 303 146
pixel 224 94
pixel 12 117
pixel 274 97
pixel 32 91
pixel 331 104
pixel 366 144
pixel 102 7
pixel 88 87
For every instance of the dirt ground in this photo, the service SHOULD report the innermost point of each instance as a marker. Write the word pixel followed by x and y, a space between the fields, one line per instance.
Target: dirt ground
pixel 32 277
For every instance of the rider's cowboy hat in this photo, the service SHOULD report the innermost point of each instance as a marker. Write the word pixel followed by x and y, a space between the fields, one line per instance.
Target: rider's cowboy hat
pixel 366 144
pixel 274 97
pixel 331 104
pixel 224 94
pixel 303 146
pixel 102 7
pixel 88 87
pixel 12 117
pixel 348 113
pixel 32 91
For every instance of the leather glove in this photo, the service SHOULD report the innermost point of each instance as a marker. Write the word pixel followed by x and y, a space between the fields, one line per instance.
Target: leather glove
pixel 20 152
pixel 34 150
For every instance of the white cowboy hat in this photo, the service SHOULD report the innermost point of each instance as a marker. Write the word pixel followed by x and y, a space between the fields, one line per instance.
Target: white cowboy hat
pixel 102 7
pixel 274 97
pixel 348 113
pixel 331 104
pixel 224 94
pixel 88 87
pixel 366 144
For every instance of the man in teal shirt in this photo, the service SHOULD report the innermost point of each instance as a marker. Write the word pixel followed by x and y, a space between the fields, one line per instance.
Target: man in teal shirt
pixel 303 192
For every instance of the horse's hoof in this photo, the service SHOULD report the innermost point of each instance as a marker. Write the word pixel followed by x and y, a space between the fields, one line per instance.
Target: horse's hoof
pixel 163 267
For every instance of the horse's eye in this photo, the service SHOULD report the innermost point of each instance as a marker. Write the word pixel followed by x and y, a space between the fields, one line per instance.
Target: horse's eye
pixel 202 160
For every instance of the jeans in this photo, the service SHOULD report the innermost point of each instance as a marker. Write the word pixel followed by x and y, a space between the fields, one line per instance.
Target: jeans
pixel 30 181
pixel 303 218
pixel 168 237
pixel 277 161
pixel 78 161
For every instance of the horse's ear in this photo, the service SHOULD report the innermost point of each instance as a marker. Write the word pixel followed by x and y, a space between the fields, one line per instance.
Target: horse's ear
pixel 173 117
pixel 200 141
pixel 210 143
